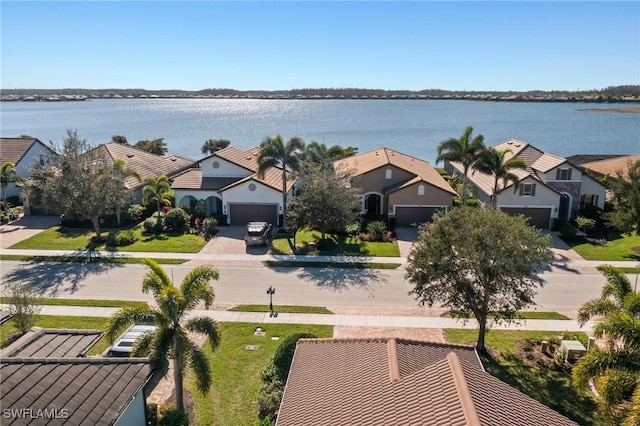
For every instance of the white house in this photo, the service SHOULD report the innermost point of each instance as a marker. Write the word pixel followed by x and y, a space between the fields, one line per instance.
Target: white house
pixel 24 153
pixel 229 183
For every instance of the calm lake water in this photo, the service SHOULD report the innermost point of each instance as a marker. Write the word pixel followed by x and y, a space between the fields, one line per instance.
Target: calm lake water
pixel 414 127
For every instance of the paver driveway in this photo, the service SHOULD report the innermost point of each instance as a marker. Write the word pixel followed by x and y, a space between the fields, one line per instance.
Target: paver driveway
pixel 230 240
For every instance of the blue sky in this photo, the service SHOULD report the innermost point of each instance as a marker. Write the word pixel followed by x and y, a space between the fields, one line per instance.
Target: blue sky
pixel 285 45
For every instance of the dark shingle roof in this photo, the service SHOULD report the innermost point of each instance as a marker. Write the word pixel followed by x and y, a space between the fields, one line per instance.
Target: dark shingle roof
pixel 94 391
pixel 398 382
pixel 44 343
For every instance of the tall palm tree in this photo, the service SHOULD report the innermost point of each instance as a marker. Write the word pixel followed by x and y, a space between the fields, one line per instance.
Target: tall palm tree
pixel 8 174
pixel 464 150
pixel 492 162
pixel 170 338
pixel 614 368
pixel 321 154
pixel 158 190
pixel 275 153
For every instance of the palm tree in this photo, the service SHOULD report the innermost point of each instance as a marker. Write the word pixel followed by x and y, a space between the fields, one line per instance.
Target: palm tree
pixel 170 338
pixel 492 162
pixel 614 368
pixel 212 145
pixel 464 150
pixel 158 190
pixel 320 154
pixel 8 174
pixel 275 153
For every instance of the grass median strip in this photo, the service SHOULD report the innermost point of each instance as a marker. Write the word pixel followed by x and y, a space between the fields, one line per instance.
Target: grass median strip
pixel 83 259
pixel 54 301
pixel 283 309
pixel 352 265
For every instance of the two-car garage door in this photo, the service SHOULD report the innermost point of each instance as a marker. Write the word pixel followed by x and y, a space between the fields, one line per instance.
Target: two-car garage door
pixel 407 216
pixel 538 216
pixel 241 214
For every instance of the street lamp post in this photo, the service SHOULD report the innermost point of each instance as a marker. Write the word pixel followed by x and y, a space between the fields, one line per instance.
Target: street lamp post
pixel 270 292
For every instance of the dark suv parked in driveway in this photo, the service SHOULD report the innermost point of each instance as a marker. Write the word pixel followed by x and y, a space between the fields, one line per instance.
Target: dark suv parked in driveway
pixel 258 234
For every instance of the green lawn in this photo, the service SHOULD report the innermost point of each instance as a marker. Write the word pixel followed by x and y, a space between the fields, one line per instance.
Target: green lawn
pixel 83 259
pixel 354 265
pixel 284 309
pixel 618 247
pixel 60 238
pixel 347 246
pixel 84 302
pixel 554 389
pixel 64 322
pixel 236 372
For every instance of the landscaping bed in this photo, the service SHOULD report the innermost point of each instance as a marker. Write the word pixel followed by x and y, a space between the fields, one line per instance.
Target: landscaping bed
pixel 510 361
pixel 307 243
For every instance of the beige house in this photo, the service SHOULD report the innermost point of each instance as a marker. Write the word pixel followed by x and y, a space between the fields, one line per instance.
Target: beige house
pixel 405 189
pixel 550 187
pixel 229 183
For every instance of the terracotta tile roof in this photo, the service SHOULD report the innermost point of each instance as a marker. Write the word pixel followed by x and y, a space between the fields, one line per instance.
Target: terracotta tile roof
pixel 396 382
pixel 371 160
pixel 192 179
pixel 13 149
pixel 94 391
pixel 144 163
pixel 613 165
pixel 246 159
pixel 44 343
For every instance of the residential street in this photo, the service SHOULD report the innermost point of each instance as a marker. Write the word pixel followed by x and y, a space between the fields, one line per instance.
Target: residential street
pixel 565 289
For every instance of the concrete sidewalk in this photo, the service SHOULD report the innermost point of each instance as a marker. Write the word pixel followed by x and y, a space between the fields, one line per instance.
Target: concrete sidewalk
pixel 340 319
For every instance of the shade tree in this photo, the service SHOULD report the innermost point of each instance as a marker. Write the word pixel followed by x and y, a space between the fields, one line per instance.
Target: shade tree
pixel 479 263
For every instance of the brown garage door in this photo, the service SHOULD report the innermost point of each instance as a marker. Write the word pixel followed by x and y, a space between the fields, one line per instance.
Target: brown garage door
pixel 241 214
pixel 538 217
pixel 407 216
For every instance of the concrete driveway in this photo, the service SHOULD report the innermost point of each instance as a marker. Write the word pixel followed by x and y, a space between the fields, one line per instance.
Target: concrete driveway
pixel 407 236
pixel 25 227
pixel 230 240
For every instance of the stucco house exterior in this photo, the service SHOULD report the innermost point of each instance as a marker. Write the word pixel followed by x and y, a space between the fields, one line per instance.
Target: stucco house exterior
pixel 24 153
pixel 550 187
pixel 228 180
pixel 405 189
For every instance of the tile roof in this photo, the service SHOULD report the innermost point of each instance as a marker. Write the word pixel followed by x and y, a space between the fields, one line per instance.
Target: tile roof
pixel 44 343
pixel 272 178
pixel 94 391
pixel 247 159
pixel 192 179
pixel 144 163
pixel 612 165
pixel 13 149
pixel 485 182
pixel 397 382
pixel 371 160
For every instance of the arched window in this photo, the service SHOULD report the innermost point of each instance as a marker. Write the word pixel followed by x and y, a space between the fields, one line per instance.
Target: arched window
pixel 420 189
pixel 388 173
